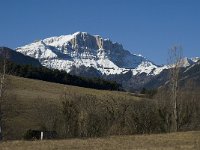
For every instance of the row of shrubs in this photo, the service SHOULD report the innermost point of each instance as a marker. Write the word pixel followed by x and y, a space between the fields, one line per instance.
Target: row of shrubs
pixel 88 116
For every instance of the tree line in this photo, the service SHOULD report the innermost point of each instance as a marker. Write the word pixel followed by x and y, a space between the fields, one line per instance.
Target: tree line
pixel 57 76
pixel 90 116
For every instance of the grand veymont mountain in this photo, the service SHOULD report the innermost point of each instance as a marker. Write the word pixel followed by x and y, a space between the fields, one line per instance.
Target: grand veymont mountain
pixel 91 55
pixel 82 49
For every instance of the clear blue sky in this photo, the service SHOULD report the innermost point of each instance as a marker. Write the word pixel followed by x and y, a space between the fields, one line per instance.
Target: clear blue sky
pixel 147 27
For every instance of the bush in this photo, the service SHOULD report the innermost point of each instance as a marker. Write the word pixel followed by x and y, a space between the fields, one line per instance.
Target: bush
pixel 32 134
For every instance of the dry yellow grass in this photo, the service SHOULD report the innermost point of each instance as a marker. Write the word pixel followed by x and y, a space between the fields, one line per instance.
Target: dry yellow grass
pixel 28 89
pixel 23 93
pixel 173 141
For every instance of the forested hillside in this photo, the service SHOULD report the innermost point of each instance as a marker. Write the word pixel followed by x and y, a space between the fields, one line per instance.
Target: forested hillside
pixel 54 75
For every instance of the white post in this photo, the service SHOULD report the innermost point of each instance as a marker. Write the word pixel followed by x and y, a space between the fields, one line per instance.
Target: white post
pixel 41 136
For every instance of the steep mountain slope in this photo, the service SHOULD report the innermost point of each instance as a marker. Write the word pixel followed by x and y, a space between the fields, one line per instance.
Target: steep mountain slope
pixel 18 58
pixel 82 49
pixel 185 62
pixel 190 72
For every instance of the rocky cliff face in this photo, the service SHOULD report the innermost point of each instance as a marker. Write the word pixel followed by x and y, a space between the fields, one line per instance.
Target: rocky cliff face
pixel 87 44
pixel 82 49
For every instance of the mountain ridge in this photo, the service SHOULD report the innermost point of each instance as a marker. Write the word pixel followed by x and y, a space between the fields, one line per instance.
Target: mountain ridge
pixel 87 55
pixel 81 48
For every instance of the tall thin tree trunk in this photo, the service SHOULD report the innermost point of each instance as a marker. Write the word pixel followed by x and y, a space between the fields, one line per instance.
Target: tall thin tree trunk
pixel 175 60
pixel 175 109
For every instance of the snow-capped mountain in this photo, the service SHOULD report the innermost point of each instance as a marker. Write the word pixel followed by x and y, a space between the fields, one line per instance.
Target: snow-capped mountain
pixel 185 62
pixel 89 55
pixel 195 59
pixel 82 49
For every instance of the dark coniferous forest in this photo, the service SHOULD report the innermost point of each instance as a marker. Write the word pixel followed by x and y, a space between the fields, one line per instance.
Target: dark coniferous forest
pixel 45 74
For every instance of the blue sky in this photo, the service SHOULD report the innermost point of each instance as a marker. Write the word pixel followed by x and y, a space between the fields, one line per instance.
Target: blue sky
pixel 147 27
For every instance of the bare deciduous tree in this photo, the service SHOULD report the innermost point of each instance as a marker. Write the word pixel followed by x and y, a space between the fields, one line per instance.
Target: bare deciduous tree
pixel 47 113
pixel 175 57
pixel 70 114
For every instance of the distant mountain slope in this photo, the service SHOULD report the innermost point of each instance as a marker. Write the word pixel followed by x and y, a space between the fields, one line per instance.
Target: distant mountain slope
pixel 189 73
pixel 19 58
pixel 82 49
pixel 192 73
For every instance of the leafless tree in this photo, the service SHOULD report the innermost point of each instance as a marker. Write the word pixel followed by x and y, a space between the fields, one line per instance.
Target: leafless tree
pixel 175 57
pixel 47 113
pixel 70 114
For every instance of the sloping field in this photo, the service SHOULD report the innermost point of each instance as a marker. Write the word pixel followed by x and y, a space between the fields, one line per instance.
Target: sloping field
pixel 27 89
pixel 24 94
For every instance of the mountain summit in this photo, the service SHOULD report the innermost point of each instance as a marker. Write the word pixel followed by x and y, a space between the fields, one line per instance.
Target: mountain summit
pixel 83 49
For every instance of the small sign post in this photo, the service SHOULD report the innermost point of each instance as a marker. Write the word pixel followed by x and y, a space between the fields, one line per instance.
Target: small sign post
pixel 41 136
